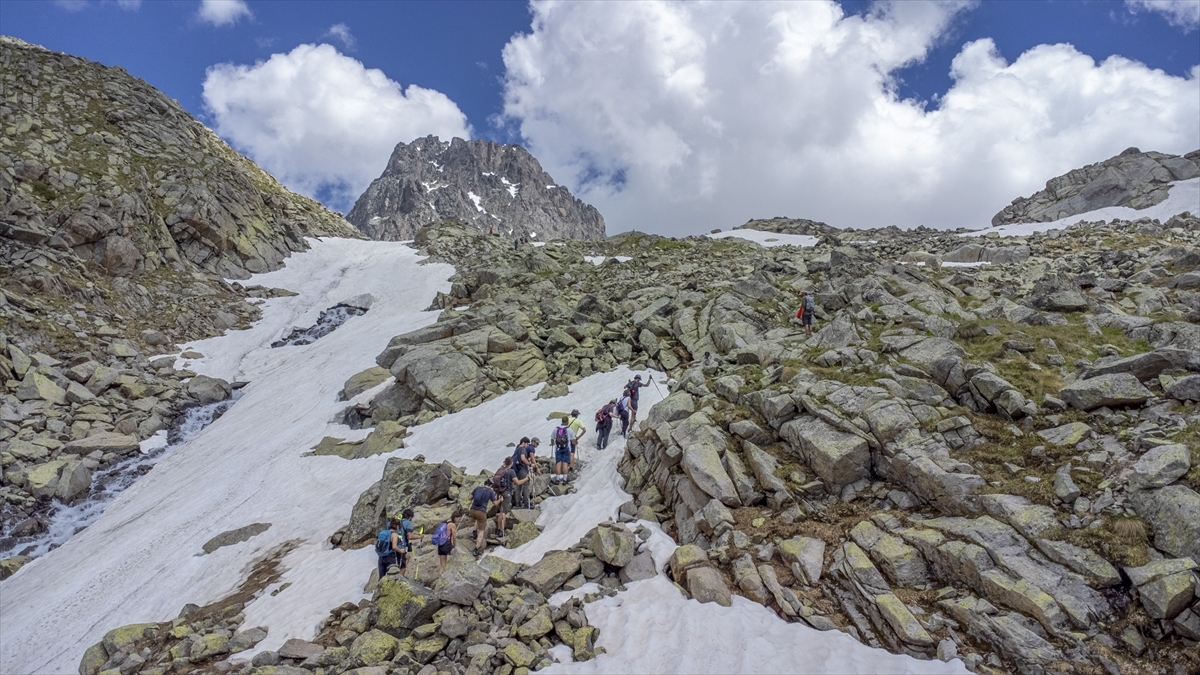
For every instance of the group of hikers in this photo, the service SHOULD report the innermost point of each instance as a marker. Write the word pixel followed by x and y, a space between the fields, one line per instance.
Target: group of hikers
pixel 508 487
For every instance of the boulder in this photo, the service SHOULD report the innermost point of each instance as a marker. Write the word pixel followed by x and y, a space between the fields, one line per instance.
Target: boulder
pixel 38 387
pixel 1143 366
pixel 205 389
pixel 902 621
pixel 805 556
pixel 641 567
pixel 703 444
pixel 372 647
pixel 1055 293
pixel 1165 598
pixel 613 545
pixel 447 378
pixel 1161 466
pixel 706 584
pixel 679 405
pixel 1174 513
pixel 1064 487
pixel 403 604
pixel 42 479
pixel 405 482
pixel 461 581
pixel 551 571
pixel 1185 388
pixel 1066 435
pixel 837 457
pixel 1082 561
pixel 931 350
pixel 1118 389
pixel 367 379
pixel 684 559
pixel 237 536
pixel 295 648
pixel 73 480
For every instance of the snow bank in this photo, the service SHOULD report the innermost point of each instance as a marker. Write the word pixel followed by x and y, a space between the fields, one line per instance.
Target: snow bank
pixel 138 561
pixel 653 628
pixel 768 239
pixel 1183 196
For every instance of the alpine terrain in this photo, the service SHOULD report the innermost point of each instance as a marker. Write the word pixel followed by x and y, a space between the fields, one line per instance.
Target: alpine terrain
pixel 496 188
pixel 225 411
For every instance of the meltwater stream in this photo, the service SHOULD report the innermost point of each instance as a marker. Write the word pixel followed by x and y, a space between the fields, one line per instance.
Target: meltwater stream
pixel 66 520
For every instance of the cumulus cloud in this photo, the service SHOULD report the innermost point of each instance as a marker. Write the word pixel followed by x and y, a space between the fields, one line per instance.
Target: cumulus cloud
pixel 223 12
pixel 341 32
pixel 320 121
pixel 682 117
pixel 1182 13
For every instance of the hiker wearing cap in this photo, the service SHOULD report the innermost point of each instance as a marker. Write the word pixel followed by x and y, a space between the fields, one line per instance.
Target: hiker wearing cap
pixel 633 386
pixel 561 440
pixel 577 432
pixel 604 423
pixel 482 498
pixel 502 484
pixel 523 464
pixel 406 539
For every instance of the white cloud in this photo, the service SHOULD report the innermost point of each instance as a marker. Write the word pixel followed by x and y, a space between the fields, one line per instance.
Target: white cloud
pixel 341 32
pixel 681 117
pixel 80 5
pixel 223 12
pixel 1182 13
pixel 320 121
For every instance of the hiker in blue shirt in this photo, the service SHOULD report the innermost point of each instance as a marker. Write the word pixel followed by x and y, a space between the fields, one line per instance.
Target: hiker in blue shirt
pixel 406 539
pixel 388 547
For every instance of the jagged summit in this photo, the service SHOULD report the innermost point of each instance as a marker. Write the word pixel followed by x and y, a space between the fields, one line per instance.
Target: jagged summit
pixel 1133 178
pixel 480 182
pixel 101 164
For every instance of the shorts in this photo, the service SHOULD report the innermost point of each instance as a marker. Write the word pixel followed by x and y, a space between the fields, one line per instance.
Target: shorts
pixel 562 456
pixel 506 501
pixel 446 548
pixel 402 560
pixel 480 518
pixel 633 404
pixel 806 320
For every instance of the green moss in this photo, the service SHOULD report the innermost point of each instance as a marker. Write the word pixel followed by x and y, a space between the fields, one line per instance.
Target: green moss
pixel 42 190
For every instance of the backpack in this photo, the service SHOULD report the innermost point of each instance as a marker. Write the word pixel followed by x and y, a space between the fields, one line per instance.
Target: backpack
pixel 562 439
pixel 600 414
pixel 383 543
pixel 622 406
pixel 518 454
pixel 441 535
pixel 808 303
pixel 501 481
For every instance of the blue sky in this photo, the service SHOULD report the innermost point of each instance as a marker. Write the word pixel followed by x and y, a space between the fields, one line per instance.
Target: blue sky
pixel 566 80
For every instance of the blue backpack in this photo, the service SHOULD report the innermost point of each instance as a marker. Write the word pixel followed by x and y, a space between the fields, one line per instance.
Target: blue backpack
pixel 383 543
pixel 441 535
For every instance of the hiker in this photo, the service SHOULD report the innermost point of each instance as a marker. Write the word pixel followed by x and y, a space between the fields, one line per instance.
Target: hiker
pixel 561 439
pixel 604 423
pixel 387 546
pixel 482 498
pixel 633 386
pixel 805 313
pixel 406 539
pixel 577 432
pixel 445 537
pixel 623 412
pixel 502 483
pixel 523 464
pixel 709 360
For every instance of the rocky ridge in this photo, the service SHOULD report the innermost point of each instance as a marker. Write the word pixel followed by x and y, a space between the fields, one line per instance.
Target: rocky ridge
pixel 962 461
pixel 120 215
pixel 1133 178
pixel 486 184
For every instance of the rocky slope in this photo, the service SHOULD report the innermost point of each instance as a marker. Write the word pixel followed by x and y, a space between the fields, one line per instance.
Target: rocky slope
pixel 119 216
pixel 489 185
pixel 1133 178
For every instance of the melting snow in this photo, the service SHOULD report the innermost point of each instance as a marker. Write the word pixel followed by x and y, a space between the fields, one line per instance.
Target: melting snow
pixel 768 239
pixel 1182 196
pixel 137 562
pixel 475 198
pixel 513 188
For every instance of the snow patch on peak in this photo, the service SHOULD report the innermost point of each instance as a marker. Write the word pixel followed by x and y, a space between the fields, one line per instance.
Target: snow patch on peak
pixel 476 200
pixel 513 188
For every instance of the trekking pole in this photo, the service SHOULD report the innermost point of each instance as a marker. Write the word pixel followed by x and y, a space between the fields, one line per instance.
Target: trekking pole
pixel 660 394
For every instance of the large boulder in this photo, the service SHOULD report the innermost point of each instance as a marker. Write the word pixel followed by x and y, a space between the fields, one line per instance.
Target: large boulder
pixel 403 604
pixel 205 389
pixel 931 350
pixel 1185 388
pixel 1117 389
pixel 703 444
pixel 613 545
pixel 446 378
pixel 551 571
pixel 1161 466
pixel 679 405
pixel 1142 366
pixel 37 386
pixel 367 379
pixel 1056 293
pixel 461 581
pixel 405 483
pixel 1174 513
pixel 837 457
pixel 706 584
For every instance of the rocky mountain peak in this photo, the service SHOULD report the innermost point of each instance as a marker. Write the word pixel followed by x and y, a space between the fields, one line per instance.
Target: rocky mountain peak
pixel 492 186
pixel 1133 178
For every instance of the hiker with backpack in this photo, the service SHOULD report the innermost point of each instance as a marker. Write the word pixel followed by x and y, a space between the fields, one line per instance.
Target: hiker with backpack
pixel 561 439
pixel 482 498
pixel 524 462
pixel 388 547
pixel 406 539
pixel 623 412
pixel 604 423
pixel 502 483
pixel 805 313
pixel 633 386
pixel 445 537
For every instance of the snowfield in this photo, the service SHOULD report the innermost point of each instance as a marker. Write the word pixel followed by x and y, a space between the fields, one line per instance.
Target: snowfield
pixel 140 560
pixel 769 239
pixel 1183 196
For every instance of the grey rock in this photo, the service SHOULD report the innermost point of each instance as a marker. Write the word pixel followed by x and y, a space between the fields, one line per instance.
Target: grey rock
pixel 1165 598
pixel 837 457
pixel 1119 389
pixel 1081 561
pixel 207 389
pixel 296 648
pixel 1185 388
pixel 1064 487
pixel 236 536
pixel 641 567
pixel 1161 466
pixel 461 581
pixel 703 444
pixel 706 585
pixel 1174 513
pixel 550 572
